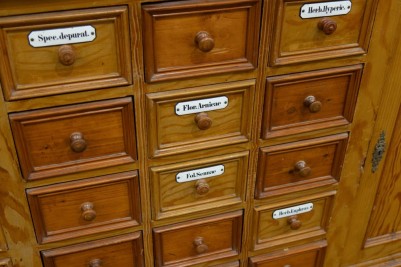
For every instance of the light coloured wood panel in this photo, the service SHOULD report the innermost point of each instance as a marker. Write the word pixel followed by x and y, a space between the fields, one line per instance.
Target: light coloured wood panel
pixel 170 133
pixel 44 144
pixel 171 50
pixel 299 40
pixel 286 110
pixel 92 206
pixel 192 242
pixel 268 232
pixel 28 72
pixel 126 250
pixel 300 165
pixel 310 255
pixel 172 198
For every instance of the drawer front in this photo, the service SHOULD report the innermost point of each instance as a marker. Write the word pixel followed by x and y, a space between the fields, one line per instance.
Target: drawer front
pixel 294 221
pixel 189 243
pixel 219 36
pixel 310 255
pixel 75 138
pixel 199 118
pixel 80 50
pixel 194 186
pixel 124 251
pixel 310 101
pixel 83 207
pixel 299 166
pixel 296 38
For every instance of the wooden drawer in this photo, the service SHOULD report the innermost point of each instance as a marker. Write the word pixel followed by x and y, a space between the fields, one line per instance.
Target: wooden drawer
pixel 62 140
pixel 296 38
pixel 83 207
pixel 126 250
pixel 310 255
pixel 309 101
pixel 199 118
pixel 190 187
pixel 291 221
pixel 300 165
pixel 42 55
pixel 219 36
pixel 189 243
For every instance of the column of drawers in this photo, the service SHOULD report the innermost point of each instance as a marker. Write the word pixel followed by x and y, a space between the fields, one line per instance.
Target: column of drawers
pixel 308 102
pixel 83 215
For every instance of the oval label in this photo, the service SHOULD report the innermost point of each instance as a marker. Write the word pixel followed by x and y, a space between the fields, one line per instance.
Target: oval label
pixel 201 105
pixel 325 9
pixel 197 174
pixel 287 212
pixel 61 36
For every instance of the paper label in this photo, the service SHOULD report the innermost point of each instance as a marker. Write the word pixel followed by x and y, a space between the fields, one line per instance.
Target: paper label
pixel 197 174
pixel 287 212
pixel 201 105
pixel 61 36
pixel 325 9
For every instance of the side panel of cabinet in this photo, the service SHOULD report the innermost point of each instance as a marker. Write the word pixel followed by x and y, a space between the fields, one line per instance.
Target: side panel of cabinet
pixel 366 225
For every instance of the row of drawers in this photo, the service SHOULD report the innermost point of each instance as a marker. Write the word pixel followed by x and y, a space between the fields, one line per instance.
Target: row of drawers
pixel 208 239
pixel 62 140
pixel 221 36
pixel 127 250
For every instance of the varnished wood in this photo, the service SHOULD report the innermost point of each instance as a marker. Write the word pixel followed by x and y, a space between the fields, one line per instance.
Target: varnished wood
pixel 28 72
pixel 310 255
pixel 174 245
pixel 112 202
pixel 6 263
pixel 123 250
pixel 44 145
pixel 279 166
pixel 308 101
pixel 173 51
pixel 299 40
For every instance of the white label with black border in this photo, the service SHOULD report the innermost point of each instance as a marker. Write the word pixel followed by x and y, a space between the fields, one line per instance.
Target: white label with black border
pixel 197 174
pixel 325 9
pixel 201 105
pixel 61 36
pixel 287 212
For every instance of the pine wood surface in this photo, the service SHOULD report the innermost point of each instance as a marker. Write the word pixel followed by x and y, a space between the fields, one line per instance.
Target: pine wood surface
pixel 352 194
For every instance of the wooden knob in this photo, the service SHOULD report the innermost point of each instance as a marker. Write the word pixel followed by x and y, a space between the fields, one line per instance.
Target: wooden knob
pixel 77 142
pixel 287 265
pixel 204 41
pixel 202 187
pixel 88 213
pixel 327 25
pixel 66 55
pixel 200 245
pixel 203 121
pixel 294 222
pixel 302 169
pixel 313 104
pixel 95 263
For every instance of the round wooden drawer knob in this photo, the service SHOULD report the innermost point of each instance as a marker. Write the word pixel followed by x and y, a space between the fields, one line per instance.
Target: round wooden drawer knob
pixel 202 187
pixel 302 169
pixel 88 212
pixel 313 104
pixel 200 245
pixel 95 263
pixel 203 121
pixel 327 25
pixel 204 41
pixel 294 222
pixel 66 55
pixel 77 142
